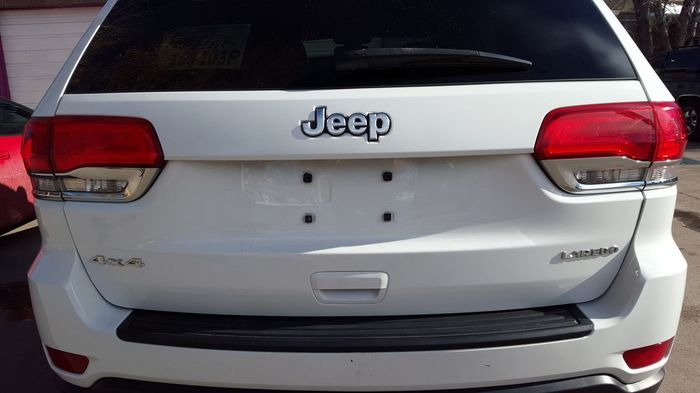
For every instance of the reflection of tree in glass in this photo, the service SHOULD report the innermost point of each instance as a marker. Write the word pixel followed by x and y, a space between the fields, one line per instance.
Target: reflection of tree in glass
pixel 660 25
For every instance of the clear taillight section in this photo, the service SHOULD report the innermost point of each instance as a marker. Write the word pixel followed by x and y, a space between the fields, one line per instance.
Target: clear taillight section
pixel 612 147
pixel 91 158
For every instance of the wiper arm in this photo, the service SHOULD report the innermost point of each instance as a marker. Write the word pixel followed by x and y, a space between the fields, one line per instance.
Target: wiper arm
pixel 388 58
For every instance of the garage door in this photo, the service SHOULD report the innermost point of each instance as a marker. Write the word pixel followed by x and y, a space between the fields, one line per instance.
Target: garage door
pixel 36 44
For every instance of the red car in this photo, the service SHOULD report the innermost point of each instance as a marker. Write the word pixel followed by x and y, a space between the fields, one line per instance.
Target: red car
pixel 16 199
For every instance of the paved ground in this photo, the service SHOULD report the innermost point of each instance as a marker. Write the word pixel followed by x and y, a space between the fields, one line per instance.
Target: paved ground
pixel 23 368
pixel 683 375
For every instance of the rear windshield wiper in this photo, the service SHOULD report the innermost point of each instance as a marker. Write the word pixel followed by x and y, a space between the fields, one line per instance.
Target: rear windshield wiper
pixel 388 58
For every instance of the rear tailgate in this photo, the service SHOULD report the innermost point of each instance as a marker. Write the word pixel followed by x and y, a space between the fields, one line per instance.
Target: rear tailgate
pixel 445 212
pixel 476 225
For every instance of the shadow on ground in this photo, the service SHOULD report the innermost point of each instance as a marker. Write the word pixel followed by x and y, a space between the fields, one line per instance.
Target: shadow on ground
pixel 24 369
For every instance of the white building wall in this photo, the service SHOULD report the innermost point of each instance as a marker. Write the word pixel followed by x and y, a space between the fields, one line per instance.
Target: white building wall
pixel 36 44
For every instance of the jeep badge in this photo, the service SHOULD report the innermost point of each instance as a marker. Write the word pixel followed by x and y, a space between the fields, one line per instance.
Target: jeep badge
pixel 372 124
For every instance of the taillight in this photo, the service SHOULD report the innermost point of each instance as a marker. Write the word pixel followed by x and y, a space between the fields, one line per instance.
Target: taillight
pixel 91 158
pixel 612 147
pixel 35 145
pixel 647 356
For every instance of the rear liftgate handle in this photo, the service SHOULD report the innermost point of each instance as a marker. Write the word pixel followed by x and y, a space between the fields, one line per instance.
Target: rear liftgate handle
pixel 349 287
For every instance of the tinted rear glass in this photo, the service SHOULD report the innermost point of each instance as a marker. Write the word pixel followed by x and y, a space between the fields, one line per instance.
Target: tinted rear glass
pixel 186 45
pixel 684 60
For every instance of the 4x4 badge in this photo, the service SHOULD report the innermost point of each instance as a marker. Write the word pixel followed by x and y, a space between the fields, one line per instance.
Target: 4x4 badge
pixel 133 262
pixel 371 124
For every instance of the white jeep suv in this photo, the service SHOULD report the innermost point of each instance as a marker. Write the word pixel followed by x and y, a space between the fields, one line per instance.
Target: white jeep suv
pixel 397 195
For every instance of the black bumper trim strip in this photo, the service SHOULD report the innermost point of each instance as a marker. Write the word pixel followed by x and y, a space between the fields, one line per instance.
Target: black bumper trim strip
pixel 355 334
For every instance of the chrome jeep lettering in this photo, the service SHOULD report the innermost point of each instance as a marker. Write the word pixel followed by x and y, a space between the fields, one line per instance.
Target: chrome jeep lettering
pixel 374 125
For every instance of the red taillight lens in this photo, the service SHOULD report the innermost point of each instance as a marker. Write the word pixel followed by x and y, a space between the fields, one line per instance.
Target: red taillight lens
pixel 66 361
pixel 643 357
pixel 612 147
pixel 611 130
pixel 110 159
pixel 35 145
pixel 671 136
pixel 112 142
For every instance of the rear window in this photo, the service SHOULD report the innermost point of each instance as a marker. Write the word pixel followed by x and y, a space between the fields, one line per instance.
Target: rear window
pixel 205 45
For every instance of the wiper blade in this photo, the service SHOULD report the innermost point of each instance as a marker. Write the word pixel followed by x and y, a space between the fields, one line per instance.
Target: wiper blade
pixel 388 58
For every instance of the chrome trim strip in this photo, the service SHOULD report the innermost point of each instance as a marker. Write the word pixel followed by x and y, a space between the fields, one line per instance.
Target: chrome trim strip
pixel 660 184
pixel 657 164
pixel 47 195
pixel 607 187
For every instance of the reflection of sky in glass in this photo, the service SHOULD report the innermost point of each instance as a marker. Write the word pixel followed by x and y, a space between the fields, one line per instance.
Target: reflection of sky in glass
pixel 580 42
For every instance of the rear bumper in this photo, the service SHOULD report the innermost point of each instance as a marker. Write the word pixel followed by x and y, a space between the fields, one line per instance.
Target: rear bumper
pixel 592 384
pixel 642 307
